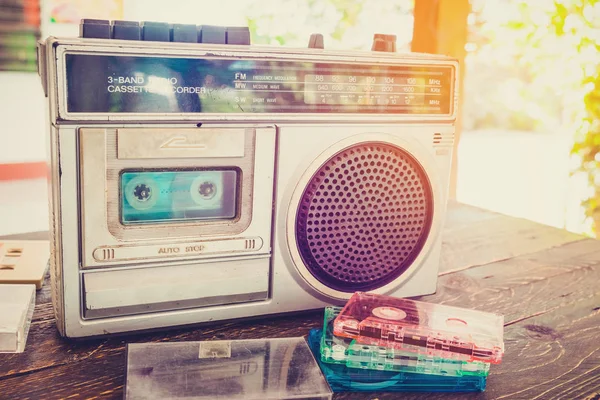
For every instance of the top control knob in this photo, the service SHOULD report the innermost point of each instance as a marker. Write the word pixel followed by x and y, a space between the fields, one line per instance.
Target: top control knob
pixel 316 41
pixel 383 42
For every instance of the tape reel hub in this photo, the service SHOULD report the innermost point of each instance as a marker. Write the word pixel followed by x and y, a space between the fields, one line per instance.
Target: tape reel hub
pixel 142 192
pixel 207 190
pixel 364 217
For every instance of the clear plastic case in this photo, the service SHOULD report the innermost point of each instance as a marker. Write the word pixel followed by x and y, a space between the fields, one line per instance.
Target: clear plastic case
pixel 239 369
pixel 16 309
pixel 344 379
pixel 425 328
pixel 348 352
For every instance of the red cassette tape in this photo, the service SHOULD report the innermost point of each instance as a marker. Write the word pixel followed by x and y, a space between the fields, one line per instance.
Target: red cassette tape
pixel 436 330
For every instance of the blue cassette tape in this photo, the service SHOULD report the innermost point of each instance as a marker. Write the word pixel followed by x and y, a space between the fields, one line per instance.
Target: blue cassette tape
pixel 177 196
pixel 344 379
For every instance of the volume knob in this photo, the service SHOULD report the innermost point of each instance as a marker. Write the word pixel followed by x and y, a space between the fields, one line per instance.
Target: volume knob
pixel 316 41
pixel 383 42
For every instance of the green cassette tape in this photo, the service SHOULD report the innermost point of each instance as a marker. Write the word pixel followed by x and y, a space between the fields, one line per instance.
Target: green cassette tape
pixel 340 350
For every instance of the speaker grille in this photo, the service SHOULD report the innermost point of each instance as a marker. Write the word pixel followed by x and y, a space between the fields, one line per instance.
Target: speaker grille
pixel 364 217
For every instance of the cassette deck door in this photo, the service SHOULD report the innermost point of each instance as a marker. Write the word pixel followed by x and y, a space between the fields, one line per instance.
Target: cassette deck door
pixel 165 194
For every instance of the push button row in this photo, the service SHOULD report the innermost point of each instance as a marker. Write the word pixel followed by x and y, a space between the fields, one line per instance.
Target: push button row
pixel 163 32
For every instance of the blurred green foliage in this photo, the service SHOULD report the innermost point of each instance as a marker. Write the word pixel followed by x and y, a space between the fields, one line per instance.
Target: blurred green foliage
pixel 345 24
pixel 512 66
pixel 535 65
pixel 577 23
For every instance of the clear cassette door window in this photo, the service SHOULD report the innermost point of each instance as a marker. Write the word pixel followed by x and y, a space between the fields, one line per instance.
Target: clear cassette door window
pixel 178 196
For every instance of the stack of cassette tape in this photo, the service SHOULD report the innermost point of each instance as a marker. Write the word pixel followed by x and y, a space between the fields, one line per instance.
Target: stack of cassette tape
pixel 381 343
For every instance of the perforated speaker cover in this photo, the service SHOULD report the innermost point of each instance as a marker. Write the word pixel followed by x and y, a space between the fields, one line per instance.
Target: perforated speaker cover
pixel 364 217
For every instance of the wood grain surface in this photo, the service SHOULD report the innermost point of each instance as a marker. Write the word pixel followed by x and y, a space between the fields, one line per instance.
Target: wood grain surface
pixel 545 281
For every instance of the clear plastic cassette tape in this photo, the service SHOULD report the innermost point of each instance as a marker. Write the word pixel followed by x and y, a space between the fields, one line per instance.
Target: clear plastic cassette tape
pixel 259 369
pixel 348 352
pixel 435 330
pixel 177 196
pixel 344 379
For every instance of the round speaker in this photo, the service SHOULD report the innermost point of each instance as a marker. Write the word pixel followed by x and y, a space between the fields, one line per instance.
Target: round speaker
pixel 364 216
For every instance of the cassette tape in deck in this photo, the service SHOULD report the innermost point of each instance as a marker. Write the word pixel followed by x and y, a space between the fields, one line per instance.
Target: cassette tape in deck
pixel 151 197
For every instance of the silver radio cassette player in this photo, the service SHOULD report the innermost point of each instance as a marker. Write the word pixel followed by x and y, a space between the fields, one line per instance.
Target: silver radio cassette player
pixel 206 179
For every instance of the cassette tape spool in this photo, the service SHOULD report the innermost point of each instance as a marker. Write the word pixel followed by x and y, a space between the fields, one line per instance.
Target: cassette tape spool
pixel 344 379
pixel 348 352
pixel 176 196
pixel 432 329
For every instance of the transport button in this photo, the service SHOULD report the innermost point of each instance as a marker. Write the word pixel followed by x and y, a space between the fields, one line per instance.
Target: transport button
pixel 238 35
pixel 184 33
pixel 213 34
pixel 126 30
pixel 94 28
pixel 156 32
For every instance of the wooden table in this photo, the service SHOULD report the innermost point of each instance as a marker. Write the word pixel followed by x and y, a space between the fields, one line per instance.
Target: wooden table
pixel 544 280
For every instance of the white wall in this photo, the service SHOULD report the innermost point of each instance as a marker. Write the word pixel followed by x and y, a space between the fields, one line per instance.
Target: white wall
pixel 524 174
pixel 23 116
pixel 22 109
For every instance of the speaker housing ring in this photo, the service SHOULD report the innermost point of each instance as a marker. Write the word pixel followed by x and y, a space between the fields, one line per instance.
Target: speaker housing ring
pixel 427 163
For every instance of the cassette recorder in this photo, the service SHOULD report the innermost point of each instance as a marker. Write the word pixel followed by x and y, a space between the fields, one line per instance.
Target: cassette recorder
pixel 208 179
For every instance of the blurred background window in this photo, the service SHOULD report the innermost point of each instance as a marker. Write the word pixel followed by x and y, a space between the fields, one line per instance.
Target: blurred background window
pixel 19 32
pixel 529 65
pixel 530 138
